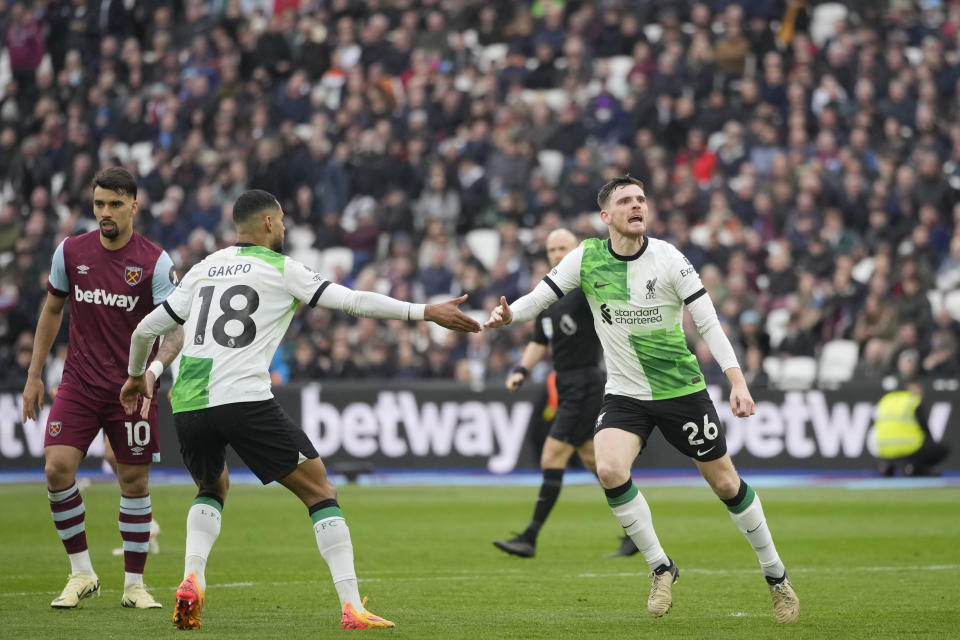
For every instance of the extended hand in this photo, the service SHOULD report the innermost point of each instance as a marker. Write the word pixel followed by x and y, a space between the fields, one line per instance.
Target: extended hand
pixel 501 315
pixel 448 315
pixel 741 402
pixel 133 389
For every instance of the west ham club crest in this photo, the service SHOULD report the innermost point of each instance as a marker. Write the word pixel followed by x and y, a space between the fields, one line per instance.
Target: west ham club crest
pixel 55 428
pixel 132 275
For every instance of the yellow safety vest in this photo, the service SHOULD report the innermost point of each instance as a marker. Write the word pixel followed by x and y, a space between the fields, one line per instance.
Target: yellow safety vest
pixel 897 431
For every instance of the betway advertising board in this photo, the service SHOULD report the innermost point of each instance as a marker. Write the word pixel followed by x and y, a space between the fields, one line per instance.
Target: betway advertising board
pixel 431 426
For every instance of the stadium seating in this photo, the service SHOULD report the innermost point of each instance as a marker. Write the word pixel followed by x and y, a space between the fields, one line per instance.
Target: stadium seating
pixel 798 373
pixel 773 367
pixel 776 326
pixel 551 163
pixel 838 359
pixel 333 258
pixel 824 19
pixel 485 245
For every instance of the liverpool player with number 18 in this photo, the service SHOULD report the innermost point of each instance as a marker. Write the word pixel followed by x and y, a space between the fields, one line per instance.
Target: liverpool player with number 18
pixel 235 306
pixel 113 277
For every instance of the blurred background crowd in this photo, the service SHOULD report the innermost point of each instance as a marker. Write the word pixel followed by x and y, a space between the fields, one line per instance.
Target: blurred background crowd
pixel 804 156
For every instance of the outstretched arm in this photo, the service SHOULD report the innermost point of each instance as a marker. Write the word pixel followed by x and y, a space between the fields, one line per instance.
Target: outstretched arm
pixel 367 304
pixel 524 308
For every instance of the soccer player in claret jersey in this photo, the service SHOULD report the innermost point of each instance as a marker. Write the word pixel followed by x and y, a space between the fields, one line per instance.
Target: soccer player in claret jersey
pixel 637 287
pixel 235 307
pixel 113 277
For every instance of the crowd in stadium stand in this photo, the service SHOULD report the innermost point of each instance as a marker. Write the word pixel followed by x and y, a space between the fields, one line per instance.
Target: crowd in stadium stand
pixel 804 156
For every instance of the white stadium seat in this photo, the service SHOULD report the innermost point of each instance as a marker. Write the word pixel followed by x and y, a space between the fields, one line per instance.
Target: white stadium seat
pixel 493 55
pixel 798 373
pixel 773 367
pixel 335 257
pixel 485 245
pixel 142 154
pixel 776 326
pixel 551 163
pixel 823 21
pixel 838 359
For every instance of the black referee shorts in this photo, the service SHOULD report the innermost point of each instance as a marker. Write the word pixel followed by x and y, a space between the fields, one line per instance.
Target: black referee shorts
pixel 579 396
pixel 261 433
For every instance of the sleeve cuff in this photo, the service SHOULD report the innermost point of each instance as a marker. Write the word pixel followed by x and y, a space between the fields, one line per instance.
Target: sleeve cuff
pixel 55 292
pixel 416 311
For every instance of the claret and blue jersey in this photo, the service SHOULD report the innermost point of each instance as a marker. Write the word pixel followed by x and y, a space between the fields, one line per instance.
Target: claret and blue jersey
pixel 109 291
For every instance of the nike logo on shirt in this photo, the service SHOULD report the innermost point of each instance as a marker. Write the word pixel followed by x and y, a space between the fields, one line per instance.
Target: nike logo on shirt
pixel 703 453
pixel 600 285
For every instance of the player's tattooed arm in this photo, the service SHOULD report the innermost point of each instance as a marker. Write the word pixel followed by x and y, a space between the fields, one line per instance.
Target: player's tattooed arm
pixel 171 346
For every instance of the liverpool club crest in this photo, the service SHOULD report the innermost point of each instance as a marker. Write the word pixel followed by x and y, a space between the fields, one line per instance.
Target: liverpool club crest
pixel 132 275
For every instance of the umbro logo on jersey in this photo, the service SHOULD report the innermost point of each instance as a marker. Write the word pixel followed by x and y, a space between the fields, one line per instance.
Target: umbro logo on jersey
pixel 600 285
pixel 605 314
pixel 82 269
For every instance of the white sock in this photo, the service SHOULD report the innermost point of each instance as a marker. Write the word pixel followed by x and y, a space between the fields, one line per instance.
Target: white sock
pixel 333 541
pixel 633 513
pixel 203 527
pixel 752 523
pixel 80 563
pixel 131 578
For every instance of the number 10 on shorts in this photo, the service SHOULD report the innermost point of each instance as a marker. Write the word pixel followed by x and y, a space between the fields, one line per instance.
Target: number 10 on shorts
pixel 137 433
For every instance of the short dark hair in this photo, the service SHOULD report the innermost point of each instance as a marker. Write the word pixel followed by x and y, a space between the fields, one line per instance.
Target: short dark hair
pixel 116 179
pixel 251 203
pixel 603 198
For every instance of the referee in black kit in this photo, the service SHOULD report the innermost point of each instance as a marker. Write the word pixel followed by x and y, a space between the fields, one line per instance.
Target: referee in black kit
pixel 567 326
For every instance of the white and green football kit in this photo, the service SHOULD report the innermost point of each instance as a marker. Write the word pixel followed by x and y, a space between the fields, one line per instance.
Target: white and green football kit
pixel 637 303
pixel 654 381
pixel 235 307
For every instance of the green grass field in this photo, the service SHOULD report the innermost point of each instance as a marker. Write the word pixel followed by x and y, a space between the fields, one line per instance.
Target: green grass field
pixel 866 564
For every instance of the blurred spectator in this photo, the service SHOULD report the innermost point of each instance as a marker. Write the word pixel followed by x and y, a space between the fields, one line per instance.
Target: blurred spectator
pixel 772 161
pixel 877 319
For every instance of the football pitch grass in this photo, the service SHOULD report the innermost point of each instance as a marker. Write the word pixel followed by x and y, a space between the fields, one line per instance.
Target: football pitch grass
pixel 865 563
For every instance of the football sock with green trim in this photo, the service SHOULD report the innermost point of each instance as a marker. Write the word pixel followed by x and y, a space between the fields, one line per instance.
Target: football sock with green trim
pixel 333 540
pixel 747 514
pixel 634 516
pixel 203 527
pixel 549 492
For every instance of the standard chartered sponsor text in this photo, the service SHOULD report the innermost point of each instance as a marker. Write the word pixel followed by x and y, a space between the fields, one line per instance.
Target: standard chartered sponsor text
pixel 646 315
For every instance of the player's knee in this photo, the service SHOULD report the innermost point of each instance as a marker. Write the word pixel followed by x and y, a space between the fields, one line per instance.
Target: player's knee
pixel 59 474
pixel 611 474
pixel 328 491
pixel 136 486
pixel 725 486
